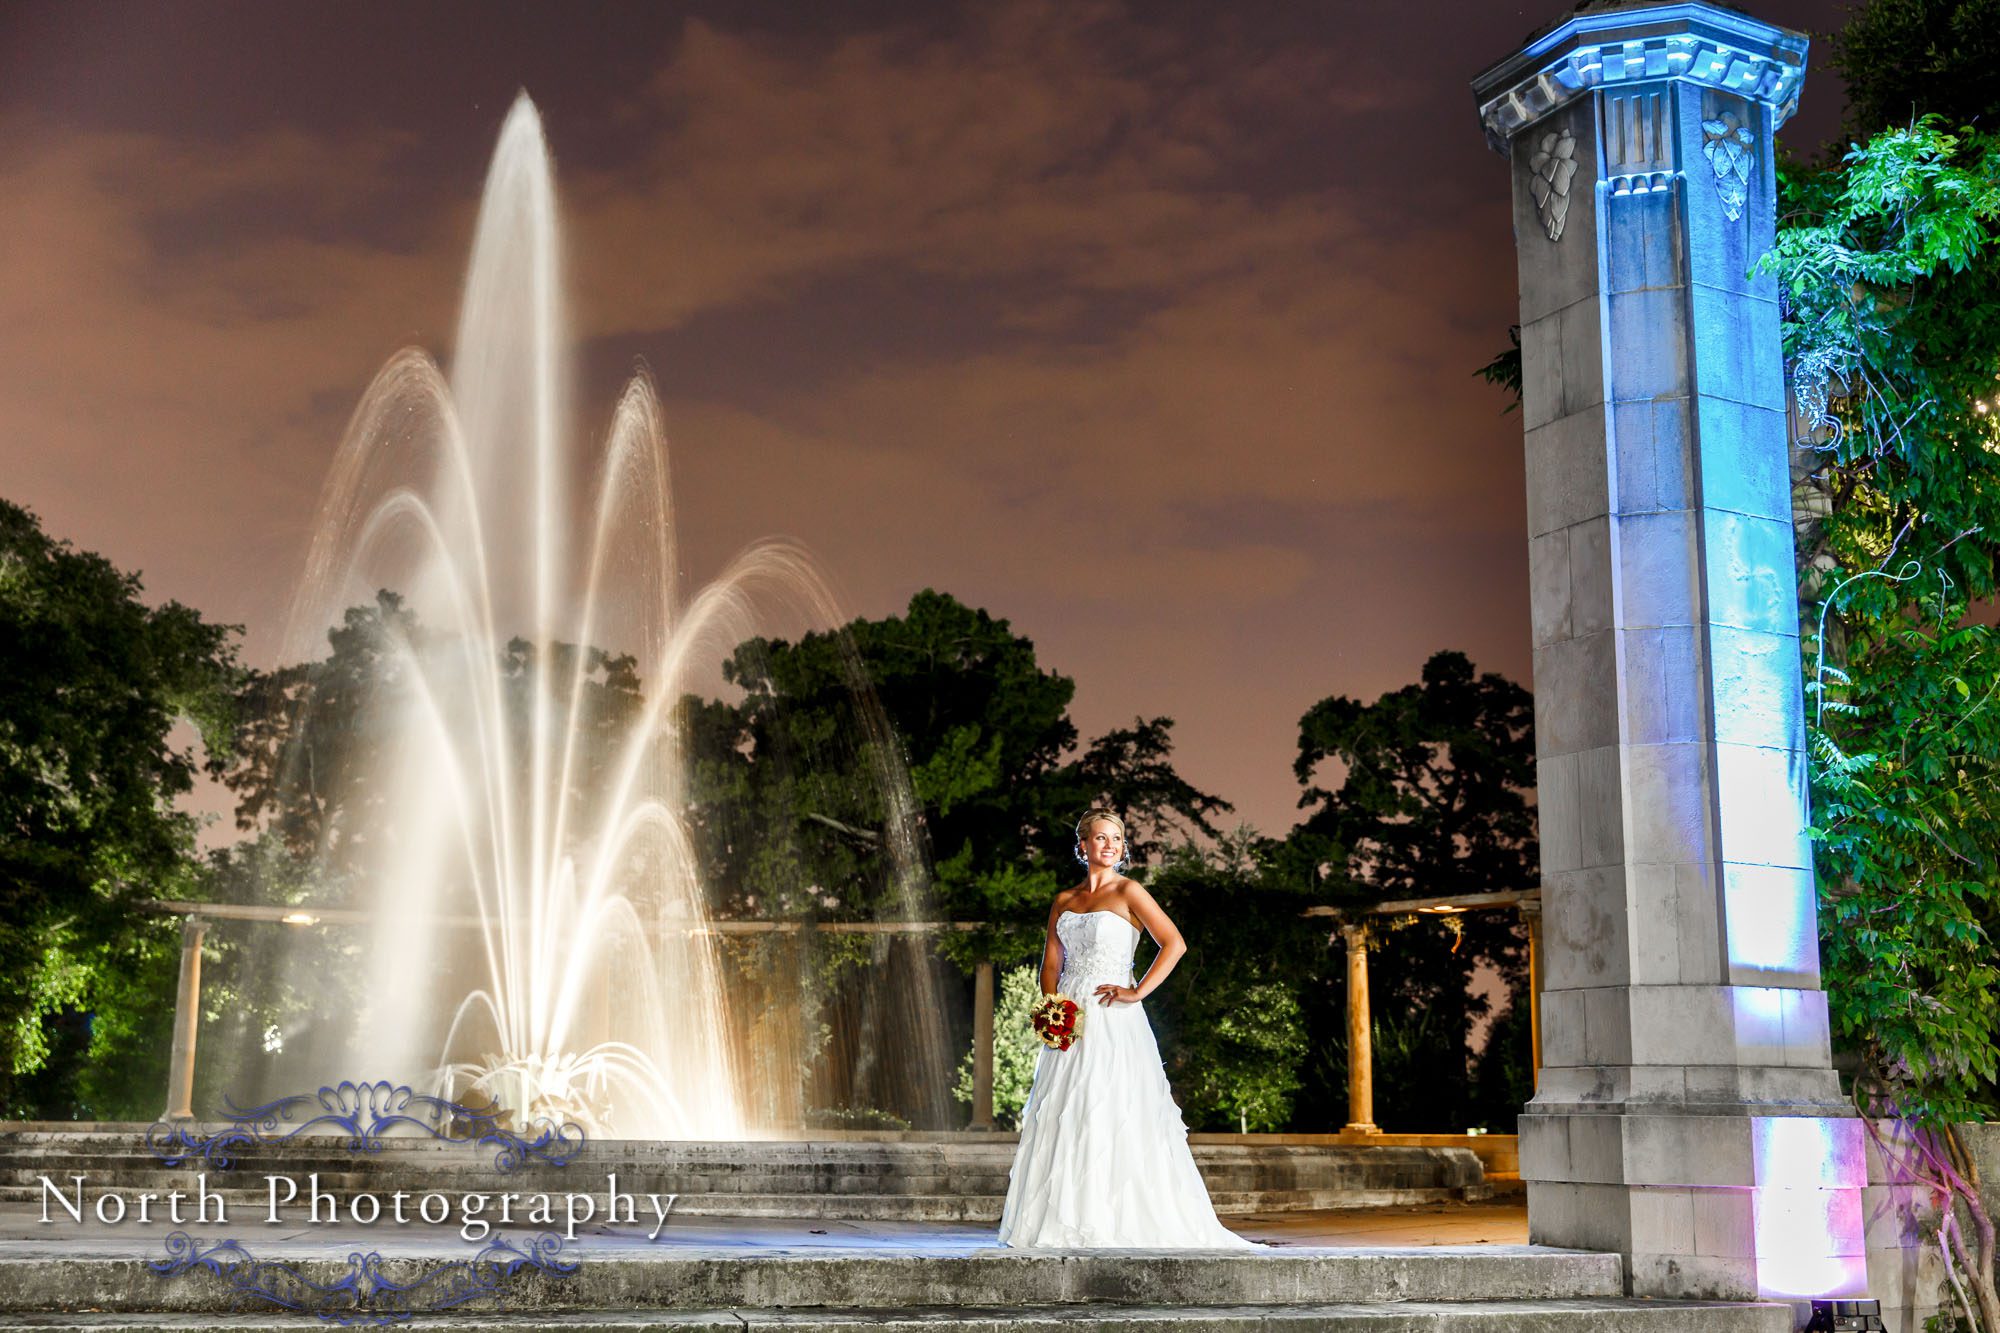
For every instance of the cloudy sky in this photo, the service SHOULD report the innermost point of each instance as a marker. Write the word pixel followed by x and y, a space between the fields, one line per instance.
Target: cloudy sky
pixel 1147 326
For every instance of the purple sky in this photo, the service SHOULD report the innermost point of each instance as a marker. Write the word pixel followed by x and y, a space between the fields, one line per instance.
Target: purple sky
pixel 1150 327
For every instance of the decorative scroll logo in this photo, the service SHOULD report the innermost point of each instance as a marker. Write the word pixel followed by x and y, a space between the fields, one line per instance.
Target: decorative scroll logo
pixel 363 1112
pixel 1728 146
pixel 365 1293
pixel 1550 170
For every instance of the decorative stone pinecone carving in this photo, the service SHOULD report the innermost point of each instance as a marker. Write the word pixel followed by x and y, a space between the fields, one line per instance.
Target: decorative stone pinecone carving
pixel 1551 167
pixel 1728 146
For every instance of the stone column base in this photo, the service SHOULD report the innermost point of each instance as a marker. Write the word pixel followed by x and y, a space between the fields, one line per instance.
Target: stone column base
pixel 1710 1207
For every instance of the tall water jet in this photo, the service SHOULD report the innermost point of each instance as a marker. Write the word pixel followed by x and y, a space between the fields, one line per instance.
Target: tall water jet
pixel 540 934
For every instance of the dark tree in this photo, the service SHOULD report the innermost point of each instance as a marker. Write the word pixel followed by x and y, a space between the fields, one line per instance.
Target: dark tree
pixel 1432 802
pixel 316 736
pixel 1432 799
pixel 918 765
pixel 1903 59
pixel 1236 1022
pixel 312 731
pixel 792 780
pixel 93 683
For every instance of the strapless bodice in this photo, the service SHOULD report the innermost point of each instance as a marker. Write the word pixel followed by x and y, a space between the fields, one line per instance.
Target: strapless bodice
pixel 1097 948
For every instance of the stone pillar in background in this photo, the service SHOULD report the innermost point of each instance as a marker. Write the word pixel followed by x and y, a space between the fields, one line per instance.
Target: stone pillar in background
pixel 982 1045
pixel 1687 1114
pixel 1360 1036
pixel 187 1022
pixel 1531 917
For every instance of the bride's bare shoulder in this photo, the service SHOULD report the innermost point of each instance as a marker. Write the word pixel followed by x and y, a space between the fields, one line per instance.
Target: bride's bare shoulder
pixel 1130 889
pixel 1134 903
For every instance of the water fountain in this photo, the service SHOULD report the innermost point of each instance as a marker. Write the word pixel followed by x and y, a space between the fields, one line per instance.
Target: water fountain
pixel 540 934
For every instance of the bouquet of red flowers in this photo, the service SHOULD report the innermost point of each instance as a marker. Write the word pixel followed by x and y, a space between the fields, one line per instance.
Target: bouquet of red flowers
pixel 1057 1020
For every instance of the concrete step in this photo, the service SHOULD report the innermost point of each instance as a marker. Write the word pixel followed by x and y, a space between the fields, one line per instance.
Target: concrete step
pixel 337 1174
pixel 693 1277
pixel 901 1207
pixel 26 1183
pixel 1569 1316
pixel 1229 1165
pixel 935 1181
pixel 750 1177
pixel 26 1167
pixel 854 1207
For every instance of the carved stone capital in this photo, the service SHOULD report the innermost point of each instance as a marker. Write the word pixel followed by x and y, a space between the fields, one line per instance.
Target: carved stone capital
pixel 1617 42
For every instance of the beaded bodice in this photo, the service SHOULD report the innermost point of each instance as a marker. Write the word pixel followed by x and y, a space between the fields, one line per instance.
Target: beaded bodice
pixel 1097 947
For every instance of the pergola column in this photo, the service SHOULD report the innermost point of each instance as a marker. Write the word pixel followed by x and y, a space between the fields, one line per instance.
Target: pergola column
pixel 187 1017
pixel 1531 917
pixel 1687 1114
pixel 1360 1036
pixel 982 1045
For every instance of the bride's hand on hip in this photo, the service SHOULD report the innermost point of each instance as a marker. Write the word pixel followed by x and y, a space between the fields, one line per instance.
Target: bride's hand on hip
pixel 1109 994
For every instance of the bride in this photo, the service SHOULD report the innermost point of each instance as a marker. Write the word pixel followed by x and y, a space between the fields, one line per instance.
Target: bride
pixel 1104 1160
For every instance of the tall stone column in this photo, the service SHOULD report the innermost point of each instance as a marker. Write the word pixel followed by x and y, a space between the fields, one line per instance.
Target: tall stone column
pixel 1687 1115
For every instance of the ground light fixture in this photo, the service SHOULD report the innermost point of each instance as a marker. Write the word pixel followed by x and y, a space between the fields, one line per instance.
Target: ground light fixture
pixel 1838 1316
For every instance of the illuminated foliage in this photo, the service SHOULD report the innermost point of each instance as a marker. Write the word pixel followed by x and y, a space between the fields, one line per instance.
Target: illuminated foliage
pixel 1888 259
pixel 1889 263
pixel 93 686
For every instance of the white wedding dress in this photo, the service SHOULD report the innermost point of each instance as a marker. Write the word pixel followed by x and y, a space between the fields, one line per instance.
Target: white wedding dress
pixel 1104 1158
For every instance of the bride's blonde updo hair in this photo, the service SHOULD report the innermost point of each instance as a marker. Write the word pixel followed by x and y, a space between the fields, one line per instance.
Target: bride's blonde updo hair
pixel 1093 815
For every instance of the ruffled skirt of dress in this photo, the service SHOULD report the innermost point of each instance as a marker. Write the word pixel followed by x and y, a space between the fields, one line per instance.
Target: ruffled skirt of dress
pixel 1104 1158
